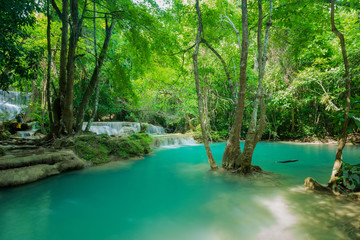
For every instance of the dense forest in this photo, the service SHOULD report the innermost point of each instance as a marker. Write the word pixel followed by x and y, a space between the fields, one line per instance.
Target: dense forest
pixel 129 93
pixel 133 61
pixel 228 70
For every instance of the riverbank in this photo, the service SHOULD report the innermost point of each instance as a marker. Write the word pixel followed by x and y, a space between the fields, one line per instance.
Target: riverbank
pixel 24 160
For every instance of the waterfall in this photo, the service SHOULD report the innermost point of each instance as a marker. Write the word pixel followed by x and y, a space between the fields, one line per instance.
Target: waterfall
pixel 114 128
pixel 161 139
pixel 29 133
pixel 173 140
pixel 11 104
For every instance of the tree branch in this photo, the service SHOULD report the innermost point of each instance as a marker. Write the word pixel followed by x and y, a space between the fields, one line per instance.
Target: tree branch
pixel 57 10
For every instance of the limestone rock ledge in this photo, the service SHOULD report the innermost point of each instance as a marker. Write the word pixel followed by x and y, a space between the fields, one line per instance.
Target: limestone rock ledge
pixel 15 170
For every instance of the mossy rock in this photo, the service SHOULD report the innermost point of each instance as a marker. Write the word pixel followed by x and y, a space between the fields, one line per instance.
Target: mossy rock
pixel 4 135
pixel 2 151
pixel 100 148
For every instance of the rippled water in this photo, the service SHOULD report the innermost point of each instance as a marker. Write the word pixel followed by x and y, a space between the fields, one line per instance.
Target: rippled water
pixel 172 195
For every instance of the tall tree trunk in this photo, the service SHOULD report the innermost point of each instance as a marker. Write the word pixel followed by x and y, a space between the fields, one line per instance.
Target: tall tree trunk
pixel 97 91
pixel 59 101
pixel 48 73
pixel 232 149
pixel 94 78
pixel 256 129
pixel 292 118
pixel 75 29
pixel 211 159
pixel 43 105
pixel 63 105
pixel 338 158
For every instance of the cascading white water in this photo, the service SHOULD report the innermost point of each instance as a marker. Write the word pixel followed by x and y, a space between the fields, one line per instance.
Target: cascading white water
pixel 173 140
pixel 29 133
pixel 161 139
pixel 114 128
pixel 11 104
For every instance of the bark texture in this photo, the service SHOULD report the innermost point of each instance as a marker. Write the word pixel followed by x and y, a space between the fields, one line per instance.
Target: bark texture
pixel 94 78
pixel 211 160
pixel 257 126
pixel 97 91
pixel 59 102
pixel 48 74
pixel 63 104
pixel 338 158
pixel 231 156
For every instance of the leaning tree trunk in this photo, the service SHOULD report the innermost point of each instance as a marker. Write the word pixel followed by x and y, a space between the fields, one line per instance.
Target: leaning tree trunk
pixel 232 88
pixel 96 105
pixel 232 150
pixel 211 159
pixel 94 78
pixel 336 172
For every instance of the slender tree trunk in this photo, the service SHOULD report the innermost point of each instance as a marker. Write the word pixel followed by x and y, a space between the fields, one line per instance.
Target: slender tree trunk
pixel 192 128
pixel 96 104
pixel 48 73
pixel 43 105
pixel 232 88
pixel 97 91
pixel 292 118
pixel 232 152
pixel 338 158
pixel 211 159
pixel 205 94
pixel 94 78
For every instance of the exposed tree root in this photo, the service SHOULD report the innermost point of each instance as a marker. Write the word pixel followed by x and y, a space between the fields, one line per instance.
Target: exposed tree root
pixel 333 189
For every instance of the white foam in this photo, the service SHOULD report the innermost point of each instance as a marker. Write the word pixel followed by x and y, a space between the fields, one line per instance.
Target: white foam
pixel 284 219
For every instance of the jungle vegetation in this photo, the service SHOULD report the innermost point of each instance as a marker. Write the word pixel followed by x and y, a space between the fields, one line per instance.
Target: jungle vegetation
pixel 230 69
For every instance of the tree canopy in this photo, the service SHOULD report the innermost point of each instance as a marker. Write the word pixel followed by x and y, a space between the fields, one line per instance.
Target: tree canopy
pixel 146 73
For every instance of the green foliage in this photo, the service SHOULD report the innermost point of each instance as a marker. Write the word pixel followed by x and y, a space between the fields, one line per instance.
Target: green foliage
pixel 2 151
pixel 102 148
pixel 4 134
pixel 219 136
pixel 15 60
pixel 148 72
pixel 351 175
pixel 36 114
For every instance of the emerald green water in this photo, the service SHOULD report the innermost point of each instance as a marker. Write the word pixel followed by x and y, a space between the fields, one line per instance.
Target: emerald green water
pixel 172 195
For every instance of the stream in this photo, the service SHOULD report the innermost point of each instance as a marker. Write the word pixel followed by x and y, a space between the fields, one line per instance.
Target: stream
pixel 170 194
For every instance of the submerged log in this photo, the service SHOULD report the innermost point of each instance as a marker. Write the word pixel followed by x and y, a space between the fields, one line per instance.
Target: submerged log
pixel 287 161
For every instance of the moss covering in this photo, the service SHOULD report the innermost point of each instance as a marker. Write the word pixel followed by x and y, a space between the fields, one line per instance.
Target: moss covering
pixel 2 151
pixel 101 148
pixel 4 135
